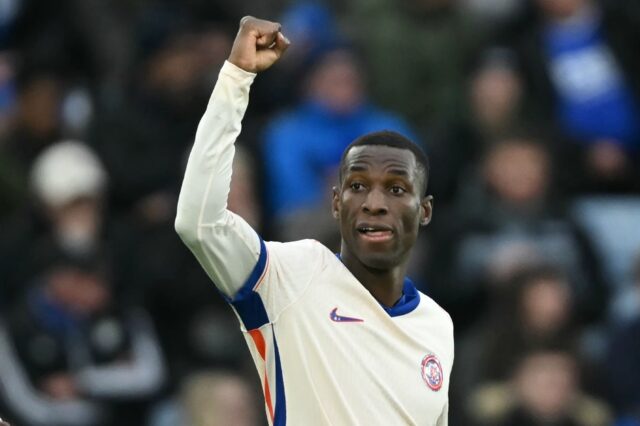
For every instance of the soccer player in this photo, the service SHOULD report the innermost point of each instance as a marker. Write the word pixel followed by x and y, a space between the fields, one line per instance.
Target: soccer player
pixel 337 339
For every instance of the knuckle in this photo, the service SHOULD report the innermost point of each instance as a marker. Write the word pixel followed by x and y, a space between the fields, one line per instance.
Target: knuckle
pixel 246 20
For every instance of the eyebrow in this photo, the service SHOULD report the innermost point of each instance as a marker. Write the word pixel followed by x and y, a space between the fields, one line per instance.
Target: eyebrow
pixel 394 170
pixel 357 168
pixel 399 172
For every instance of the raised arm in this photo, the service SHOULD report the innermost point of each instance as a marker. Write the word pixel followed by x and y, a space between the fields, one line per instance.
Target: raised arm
pixel 225 245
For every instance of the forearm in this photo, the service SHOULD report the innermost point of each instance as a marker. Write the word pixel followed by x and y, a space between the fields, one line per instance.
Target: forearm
pixel 203 197
pixel 224 244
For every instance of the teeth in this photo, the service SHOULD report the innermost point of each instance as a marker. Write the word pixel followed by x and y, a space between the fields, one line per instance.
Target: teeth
pixel 370 230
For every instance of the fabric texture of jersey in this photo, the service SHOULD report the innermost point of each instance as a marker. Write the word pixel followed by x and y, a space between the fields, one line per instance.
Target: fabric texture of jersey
pixel 326 351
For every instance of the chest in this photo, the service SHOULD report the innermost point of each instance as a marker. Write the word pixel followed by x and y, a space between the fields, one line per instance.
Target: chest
pixel 401 361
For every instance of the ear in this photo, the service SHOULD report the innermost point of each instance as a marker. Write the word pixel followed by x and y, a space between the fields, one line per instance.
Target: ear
pixel 426 210
pixel 335 203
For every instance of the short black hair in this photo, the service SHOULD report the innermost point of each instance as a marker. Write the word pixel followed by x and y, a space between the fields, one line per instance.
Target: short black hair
pixel 394 140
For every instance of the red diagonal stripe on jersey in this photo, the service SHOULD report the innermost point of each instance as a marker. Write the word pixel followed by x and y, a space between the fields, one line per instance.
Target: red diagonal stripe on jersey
pixel 264 273
pixel 258 340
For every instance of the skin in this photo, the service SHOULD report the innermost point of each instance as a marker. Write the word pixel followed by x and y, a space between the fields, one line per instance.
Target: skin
pixel 382 186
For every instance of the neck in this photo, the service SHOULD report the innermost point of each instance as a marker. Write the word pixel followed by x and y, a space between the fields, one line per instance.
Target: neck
pixel 385 285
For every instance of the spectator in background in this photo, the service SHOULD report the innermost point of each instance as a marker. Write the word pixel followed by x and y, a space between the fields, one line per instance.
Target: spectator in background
pixel 495 94
pixel 211 398
pixel 303 146
pixel 623 378
pixel 544 389
pixel 12 183
pixel 622 356
pixel 68 182
pixel 612 224
pixel 417 60
pixel 582 66
pixel 507 217
pixel 493 14
pixel 142 145
pixel 533 307
pixel 625 307
pixel 416 53
pixel 71 355
pixel 36 124
pixel 495 103
pixel 312 25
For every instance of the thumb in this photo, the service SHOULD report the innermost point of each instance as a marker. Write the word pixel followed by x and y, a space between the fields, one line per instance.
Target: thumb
pixel 281 44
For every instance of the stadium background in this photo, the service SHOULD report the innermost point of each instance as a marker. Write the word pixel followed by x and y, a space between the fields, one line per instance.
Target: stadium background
pixel 529 110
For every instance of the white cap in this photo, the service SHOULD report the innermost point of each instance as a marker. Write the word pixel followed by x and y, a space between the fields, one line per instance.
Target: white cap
pixel 66 171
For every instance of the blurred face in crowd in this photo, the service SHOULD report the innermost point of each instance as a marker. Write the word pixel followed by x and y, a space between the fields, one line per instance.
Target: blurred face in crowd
pixel 560 9
pixel 187 64
pixel 495 96
pixel 38 106
pixel 77 224
pixel 219 399
pixel 336 83
pixel 546 305
pixel 80 292
pixel 173 69
pixel 546 383
pixel 517 171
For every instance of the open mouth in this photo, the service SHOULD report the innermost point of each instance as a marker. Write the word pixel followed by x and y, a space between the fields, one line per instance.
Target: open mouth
pixel 375 233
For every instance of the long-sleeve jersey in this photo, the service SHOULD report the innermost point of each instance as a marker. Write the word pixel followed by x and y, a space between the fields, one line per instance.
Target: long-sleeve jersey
pixel 326 351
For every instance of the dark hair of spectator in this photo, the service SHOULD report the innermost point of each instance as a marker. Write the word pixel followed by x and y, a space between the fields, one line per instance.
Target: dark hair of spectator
pixel 521 281
pixel 560 345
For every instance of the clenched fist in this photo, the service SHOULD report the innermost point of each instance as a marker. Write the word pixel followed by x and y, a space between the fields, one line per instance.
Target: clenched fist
pixel 258 45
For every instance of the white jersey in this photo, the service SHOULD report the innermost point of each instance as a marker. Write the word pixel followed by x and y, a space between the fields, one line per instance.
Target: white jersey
pixel 327 352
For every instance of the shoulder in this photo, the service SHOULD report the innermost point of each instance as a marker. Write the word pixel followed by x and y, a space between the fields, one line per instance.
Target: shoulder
pixel 305 245
pixel 437 312
pixel 443 325
pixel 304 252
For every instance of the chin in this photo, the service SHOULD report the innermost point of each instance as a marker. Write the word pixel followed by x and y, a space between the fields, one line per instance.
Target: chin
pixel 380 261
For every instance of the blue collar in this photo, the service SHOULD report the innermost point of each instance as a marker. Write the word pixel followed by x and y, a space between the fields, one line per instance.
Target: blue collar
pixel 408 301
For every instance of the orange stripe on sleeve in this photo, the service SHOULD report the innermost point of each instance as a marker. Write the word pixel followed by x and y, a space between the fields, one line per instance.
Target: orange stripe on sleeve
pixel 258 340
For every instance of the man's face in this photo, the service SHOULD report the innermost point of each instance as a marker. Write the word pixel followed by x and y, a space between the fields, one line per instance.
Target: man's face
pixel 380 206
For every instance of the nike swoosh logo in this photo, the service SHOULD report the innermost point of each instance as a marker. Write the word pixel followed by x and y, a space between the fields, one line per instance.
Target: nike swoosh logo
pixel 339 318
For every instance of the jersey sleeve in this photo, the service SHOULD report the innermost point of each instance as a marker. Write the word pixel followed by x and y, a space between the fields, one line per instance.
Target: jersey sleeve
pixel 258 279
pixel 225 245
pixel 280 277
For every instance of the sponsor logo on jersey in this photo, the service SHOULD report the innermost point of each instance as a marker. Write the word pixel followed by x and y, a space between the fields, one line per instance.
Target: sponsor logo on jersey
pixel 432 372
pixel 339 318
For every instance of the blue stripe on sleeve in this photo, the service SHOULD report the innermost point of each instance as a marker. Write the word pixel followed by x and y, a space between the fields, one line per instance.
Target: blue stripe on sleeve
pixel 247 302
pixel 280 417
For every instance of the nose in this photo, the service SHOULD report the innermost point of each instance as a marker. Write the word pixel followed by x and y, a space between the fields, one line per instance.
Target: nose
pixel 375 203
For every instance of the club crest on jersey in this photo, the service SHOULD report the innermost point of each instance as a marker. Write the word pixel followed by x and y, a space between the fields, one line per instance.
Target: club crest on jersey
pixel 432 372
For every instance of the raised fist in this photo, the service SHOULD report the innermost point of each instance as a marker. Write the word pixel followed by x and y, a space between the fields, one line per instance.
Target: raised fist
pixel 258 45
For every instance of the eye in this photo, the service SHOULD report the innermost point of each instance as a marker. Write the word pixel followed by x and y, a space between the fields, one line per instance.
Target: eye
pixel 356 186
pixel 397 190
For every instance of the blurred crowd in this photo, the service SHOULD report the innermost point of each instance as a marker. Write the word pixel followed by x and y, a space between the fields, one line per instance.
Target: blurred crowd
pixel 528 109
